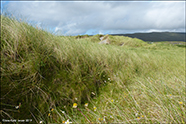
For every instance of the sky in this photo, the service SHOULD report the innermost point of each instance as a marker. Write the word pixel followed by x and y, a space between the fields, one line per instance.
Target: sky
pixel 101 17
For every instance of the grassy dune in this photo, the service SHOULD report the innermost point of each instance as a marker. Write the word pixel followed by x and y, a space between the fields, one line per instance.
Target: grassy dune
pixel 43 75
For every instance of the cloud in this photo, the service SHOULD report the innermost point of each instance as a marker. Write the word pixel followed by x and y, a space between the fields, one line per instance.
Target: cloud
pixel 73 18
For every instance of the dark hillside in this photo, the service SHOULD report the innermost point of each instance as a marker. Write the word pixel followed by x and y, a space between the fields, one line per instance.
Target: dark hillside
pixel 157 36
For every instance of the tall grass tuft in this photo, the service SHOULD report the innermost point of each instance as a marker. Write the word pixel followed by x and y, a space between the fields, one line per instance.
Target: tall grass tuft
pixel 41 71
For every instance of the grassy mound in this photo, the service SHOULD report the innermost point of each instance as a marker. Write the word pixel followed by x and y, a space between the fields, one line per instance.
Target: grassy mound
pixel 42 71
pixel 116 40
pixel 126 41
pixel 43 75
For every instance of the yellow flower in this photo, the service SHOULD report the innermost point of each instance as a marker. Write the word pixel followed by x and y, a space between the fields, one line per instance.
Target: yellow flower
pixel 48 114
pixel 170 95
pixel 52 109
pixel 180 103
pixel 99 119
pixel 142 116
pixel 95 108
pixel 138 118
pixel 86 104
pixel 63 122
pixel 75 105
pixel 112 100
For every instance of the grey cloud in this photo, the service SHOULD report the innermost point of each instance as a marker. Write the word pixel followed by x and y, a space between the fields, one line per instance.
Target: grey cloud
pixel 79 17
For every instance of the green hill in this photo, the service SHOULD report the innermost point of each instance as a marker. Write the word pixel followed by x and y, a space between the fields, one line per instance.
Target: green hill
pixel 51 79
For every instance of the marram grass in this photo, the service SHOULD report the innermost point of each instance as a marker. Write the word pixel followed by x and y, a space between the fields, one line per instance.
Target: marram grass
pixel 52 79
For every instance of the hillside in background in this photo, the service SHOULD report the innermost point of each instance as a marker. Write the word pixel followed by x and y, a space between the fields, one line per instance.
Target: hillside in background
pixel 156 36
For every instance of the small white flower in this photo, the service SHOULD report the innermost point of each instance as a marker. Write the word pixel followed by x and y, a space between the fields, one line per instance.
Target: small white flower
pixel 95 108
pixel 75 105
pixel 138 118
pixel 68 122
pixel 41 122
pixel 86 104
pixel 16 107
pixel 63 112
pixel 76 99
pixel 136 114
pixel 105 81
pixel 109 79
pixel 104 118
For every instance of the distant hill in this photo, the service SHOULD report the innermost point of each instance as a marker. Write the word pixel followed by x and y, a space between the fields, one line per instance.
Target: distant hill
pixel 156 36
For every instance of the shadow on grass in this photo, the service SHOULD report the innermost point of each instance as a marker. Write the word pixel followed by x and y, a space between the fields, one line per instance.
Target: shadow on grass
pixel 181 45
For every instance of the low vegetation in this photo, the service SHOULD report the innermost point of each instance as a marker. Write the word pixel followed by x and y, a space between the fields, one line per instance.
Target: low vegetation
pixel 52 79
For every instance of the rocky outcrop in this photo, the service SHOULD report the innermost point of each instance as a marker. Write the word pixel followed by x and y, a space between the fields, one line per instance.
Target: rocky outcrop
pixel 104 40
pixel 121 44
